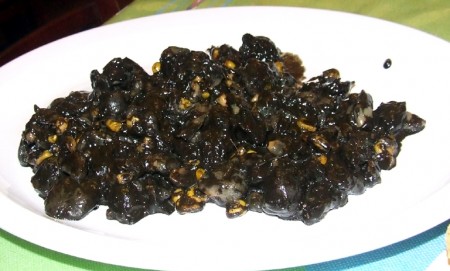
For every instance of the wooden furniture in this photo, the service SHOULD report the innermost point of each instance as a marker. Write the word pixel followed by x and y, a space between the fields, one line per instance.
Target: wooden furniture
pixel 28 24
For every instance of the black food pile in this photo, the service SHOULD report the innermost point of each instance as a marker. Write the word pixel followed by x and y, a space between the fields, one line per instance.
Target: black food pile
pixel 239 128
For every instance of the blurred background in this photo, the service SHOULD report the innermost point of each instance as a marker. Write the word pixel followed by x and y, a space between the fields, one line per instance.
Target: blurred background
pixel 28 24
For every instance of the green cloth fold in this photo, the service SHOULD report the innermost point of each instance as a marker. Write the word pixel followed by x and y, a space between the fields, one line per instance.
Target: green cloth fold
pixel 432 16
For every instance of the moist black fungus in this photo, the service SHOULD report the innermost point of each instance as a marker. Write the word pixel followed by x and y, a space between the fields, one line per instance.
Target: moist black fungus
pixel 239 128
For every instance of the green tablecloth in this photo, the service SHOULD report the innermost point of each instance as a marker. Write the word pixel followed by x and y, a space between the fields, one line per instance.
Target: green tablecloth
pixel 432 16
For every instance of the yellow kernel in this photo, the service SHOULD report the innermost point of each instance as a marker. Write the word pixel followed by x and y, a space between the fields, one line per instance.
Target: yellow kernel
pixel 44 155
pixel 378 148
pixel 251 151
pixel 195 87
pixel 235 109
pixel 382 145
pixel 222 100
pixel 120 178
pixel 145 144
pixel 205 95
pixel 175 198
pixel 276 147
pixel 322 159
pixel 61 125
pixel 191 192
pixel 197 79
pixel 391 150
pixel 156 67
pixel 230 76
pixel 147 140
pixel 184 103
pixel 30 137
pixel 176 195
pixel 304 125
pixel 113 125
pixel 242 203
pixel 229 82
pixel 194 162
pixel 240 151
pixel 199 173
pixel 215 53
pixel 255 98
pixel 279 66
pixel 52 138
pixel 198 198
pixel 131 120
pixel 237 208
pixel 230 64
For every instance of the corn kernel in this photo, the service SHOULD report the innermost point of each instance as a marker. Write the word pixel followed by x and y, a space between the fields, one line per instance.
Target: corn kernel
pixel 197 79
pixel 255 98
pixel 205 95
pixel 113 125
pixel 52 138
pixel 176 195
pixel 199 173
pixel 229 82
pixel 184 103
pixel 215 53
pixel 230 64
pixel 61 125
pixel 242 203
pixel 222 100
pixel 378 147
pixel 156 67
pixel 304 125
pixel 30 137
pixel 322 159
pixel 240 151
pixel 383 145
pixel 199 198
pixel 191 192
pixel 195 86
pixel 44 155
pixel 279 66
pixel 236 208
pixel 131 120
pixel 194 162
pixel 276 147
pixel 120 178
pixel 235 109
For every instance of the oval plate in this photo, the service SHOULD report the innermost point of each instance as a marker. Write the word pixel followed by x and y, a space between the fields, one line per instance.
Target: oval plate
pixel 412 198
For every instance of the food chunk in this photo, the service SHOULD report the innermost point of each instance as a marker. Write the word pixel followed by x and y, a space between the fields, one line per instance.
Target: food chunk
pixel 239 128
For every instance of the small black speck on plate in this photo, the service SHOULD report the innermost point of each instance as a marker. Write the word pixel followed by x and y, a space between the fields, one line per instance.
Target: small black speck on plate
pixel 387 63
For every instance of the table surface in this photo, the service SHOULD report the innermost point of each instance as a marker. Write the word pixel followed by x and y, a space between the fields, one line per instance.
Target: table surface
pixel 416 253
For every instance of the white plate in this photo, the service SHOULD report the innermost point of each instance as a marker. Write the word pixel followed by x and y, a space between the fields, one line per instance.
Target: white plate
pixel 412 198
